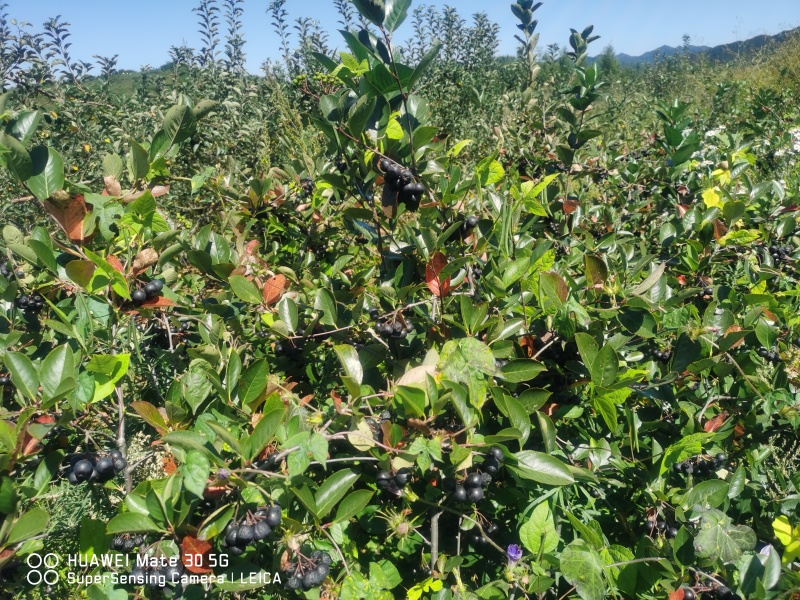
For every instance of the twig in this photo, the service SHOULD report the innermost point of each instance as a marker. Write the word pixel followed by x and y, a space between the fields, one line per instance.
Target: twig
pixel 339 550
pixel 122 445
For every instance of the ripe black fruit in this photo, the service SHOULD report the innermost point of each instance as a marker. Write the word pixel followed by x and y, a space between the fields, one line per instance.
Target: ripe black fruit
pixel 246 535
pixel 83 470
pixel 232 535
pixel 721 458
pixel 475 495
pixel 153 288
pixel 688 594
pixel 491 465
pixel 473 480
pixel 105 467
pixel 261 530
pixel 460 494
pixel 471 222
pixel 402 477
pixel 497 453
pixel 138 297
pixel 274 516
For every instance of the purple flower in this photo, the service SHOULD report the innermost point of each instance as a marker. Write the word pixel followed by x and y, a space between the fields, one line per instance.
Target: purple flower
pixel 514 553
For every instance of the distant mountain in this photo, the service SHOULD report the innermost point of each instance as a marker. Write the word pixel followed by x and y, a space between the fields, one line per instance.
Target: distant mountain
pixel 722 53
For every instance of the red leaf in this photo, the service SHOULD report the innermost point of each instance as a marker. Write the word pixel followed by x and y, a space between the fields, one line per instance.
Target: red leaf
pixel 570 206
pixel 436 285
pixel 116 263
pixel 195 547
pixel 273 289
pixel 158 302
pixel 676 595
pixel 719 229
pixel 70 216
pixel 715 423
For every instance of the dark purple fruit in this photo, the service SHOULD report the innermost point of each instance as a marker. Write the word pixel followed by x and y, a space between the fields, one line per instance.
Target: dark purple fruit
pixel 273 516
pixel 261 530
pixel 83 470
pixel 138 297
pixel 475 495
pixel 473 480
pixel 460 494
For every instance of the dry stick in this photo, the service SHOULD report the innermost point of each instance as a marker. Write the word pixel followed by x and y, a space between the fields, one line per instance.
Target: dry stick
pixel 121 442
pixel 738 368
pixel 435 538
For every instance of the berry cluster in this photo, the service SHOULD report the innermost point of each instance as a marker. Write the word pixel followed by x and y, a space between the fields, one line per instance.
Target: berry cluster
pixel 780 252
pixel 393 483
pixel 662 356
pixel 471 490
pixel 150 290
pixel 125 542
pixel 32 304
pixel 477 271
pixel 712 591
pixel 253 528
pixel 391 328
pixel 661 527
pixel 306 187
pixel 6 270
pixel 700 465
pixel 706 292
pixel 769 355
pixel 167 572
pixel 91 467
pixel 288 349
pixel 402 180
pixel 308 572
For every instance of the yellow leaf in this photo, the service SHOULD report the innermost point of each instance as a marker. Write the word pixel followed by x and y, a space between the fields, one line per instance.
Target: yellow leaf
pixel 712 198
pixel 783 530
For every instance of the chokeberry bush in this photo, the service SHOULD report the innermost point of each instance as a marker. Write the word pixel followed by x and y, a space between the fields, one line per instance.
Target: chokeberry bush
pixel 349 331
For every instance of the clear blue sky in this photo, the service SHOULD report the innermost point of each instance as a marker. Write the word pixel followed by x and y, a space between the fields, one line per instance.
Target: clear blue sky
pixel 141 31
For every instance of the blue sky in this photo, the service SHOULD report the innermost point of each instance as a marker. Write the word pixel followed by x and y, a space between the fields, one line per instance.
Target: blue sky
pixel 142 31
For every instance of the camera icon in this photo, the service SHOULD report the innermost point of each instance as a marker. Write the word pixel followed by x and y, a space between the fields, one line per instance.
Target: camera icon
pixel 42 568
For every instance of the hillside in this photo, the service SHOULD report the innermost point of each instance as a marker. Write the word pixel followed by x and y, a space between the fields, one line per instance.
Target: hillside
pixel 722 53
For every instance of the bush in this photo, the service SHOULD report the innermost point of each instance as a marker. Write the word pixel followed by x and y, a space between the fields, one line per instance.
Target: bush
pixel 565 367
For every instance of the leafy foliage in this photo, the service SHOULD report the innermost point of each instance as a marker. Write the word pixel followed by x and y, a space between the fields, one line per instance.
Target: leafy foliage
pixel 346 348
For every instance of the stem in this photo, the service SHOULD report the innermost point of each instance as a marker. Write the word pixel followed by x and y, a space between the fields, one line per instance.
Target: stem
pixel 121 442
pixel 339 550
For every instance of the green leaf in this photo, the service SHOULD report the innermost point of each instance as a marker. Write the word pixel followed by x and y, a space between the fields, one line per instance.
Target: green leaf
pixel 543 468
pixel 718 539
pixel 604 405
pixel 93 539
pixel 334 489
pixel 686 447
pixel 264 430
pixel 372 10
pixel 245 289
pixel 325 302
pixel 396 13
pixel 412 399
pixel 108 369
pixel 130 522
pixel 538 533
pixel 253 382
pixel 15 157
pixel 23 374
pixel 523 369
pixel 179 124
pixel 196 470
pixel 351 363
pixel 47 172
pixel 31 524
pixel 637 321
pixel 596 271
pixel 582 567
pixel 605 367
pixel 138 162
pixel 58 366
pixel 352 505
